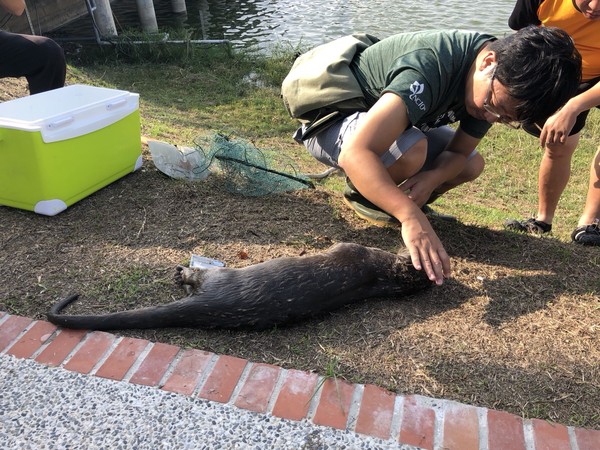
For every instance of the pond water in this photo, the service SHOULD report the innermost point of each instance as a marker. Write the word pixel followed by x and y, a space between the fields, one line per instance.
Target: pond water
pixel 266 23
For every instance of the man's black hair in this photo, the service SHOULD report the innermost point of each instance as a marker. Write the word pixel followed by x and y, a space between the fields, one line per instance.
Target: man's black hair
pixel 540 67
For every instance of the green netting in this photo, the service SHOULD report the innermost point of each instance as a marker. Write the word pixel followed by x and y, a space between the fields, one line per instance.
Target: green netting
pixel 248 170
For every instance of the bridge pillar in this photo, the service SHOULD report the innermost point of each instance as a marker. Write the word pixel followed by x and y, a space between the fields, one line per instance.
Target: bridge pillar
pixel 147 16
pixel 104 19
pixel 178 6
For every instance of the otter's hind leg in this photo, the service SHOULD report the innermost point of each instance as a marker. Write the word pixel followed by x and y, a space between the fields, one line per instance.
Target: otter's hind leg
pixel 190 279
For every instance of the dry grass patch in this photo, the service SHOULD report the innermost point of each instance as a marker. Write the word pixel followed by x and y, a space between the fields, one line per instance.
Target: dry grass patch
pixel 517 328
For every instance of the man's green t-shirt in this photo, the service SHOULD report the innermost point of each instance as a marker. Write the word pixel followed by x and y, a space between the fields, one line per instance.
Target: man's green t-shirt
pixel 428 70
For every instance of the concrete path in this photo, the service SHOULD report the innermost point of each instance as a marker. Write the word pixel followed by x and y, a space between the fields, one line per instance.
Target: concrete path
pixel 90 390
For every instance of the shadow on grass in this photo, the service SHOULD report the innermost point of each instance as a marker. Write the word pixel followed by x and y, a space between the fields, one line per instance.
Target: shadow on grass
pixel 147 215
pixel 518 308
pixel 521 273
pixel 558 397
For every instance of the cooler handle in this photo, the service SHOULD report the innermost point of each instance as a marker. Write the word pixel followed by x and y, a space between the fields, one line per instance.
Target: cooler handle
pixel 116 104
pixel 61 122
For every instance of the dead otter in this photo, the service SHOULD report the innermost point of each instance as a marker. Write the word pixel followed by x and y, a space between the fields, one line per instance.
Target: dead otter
pixel 274 292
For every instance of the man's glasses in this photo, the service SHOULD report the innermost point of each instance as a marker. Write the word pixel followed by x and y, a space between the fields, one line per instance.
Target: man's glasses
pixel 487 105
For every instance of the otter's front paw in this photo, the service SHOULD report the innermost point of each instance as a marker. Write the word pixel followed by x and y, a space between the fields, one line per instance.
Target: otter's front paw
pixel 181 275
pixel 190 278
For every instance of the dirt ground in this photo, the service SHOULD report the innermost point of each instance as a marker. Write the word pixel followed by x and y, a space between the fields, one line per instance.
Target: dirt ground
pixel 517 328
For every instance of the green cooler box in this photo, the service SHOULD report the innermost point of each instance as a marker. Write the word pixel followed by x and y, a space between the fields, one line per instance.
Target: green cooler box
pixel 60 146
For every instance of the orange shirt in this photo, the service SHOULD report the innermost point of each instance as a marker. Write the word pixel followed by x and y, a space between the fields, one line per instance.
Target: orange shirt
pixel 585 32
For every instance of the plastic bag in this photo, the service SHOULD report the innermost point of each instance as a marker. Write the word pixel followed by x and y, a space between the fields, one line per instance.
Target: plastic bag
pixel 179 162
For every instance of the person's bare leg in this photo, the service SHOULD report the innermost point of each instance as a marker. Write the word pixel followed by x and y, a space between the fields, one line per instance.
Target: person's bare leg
pixel 472 170
pixel 410 163
pixel 591 212
pixel 588 230
pixel 553 176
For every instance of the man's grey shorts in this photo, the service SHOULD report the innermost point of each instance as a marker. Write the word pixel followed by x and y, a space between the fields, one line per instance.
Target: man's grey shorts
pixel 326 145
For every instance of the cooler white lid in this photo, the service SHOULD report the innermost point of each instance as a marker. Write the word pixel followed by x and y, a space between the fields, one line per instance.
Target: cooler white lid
pixel 67 112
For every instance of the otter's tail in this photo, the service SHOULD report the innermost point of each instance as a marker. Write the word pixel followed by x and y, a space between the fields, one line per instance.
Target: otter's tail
pixel 139 318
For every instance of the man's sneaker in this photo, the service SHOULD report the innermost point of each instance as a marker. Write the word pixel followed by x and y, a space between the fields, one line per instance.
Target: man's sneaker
pixel 587 234
pixel 365 209
pixel 530 226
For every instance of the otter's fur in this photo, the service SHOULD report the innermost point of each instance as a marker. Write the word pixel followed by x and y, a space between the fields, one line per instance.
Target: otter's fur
pixel 275 292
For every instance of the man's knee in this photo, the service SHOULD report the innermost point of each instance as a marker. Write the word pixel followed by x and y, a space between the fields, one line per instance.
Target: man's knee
pixel 473 168
pixel 53 51
pixel 45 50
pixel 564 150
pixel 410 163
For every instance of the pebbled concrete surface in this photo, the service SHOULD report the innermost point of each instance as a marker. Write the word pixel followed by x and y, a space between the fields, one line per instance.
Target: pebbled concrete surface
pixel 51 408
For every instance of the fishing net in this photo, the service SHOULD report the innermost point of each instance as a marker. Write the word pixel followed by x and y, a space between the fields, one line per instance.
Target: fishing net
pixel 248 170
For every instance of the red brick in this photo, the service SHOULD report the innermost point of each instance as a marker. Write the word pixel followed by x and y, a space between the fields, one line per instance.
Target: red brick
pixel 461 428
pixel 60 347
pixel 155 364
pixel 187 372
pixel 334 404
pixel 376 412
pixel 505 431
pixel 223 378
pixel 587 439
pixel 550 436
pixel 92 351
pixel 258 388
pixel 295 395
pixel 32 340
pixel 122 358
pixel 418 424
pixel 11 328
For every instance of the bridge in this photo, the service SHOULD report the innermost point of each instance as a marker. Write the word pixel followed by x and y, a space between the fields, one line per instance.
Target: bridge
pixel 45 16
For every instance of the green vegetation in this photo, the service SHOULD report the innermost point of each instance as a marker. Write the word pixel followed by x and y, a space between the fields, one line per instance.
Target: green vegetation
pixel 188 91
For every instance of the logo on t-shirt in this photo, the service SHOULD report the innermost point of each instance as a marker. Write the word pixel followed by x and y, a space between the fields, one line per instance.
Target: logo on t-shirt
pixel 441 120
pixel 417 88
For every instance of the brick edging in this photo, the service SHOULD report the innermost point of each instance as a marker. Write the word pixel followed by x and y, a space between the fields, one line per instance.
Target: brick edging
pixel 290 394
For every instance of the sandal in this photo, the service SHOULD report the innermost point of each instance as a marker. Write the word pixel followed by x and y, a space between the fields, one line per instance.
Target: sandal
pixel 587 234
pixel 530 226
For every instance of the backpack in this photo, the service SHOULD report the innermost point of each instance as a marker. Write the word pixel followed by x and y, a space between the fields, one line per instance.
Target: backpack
pixel 320 87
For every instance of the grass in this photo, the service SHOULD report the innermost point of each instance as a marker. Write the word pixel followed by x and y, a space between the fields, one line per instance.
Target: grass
pixel 189 93
pixel 517 328
pixel 237 93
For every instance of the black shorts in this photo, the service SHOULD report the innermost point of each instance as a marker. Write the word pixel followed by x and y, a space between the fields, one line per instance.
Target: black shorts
pixel 581 118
